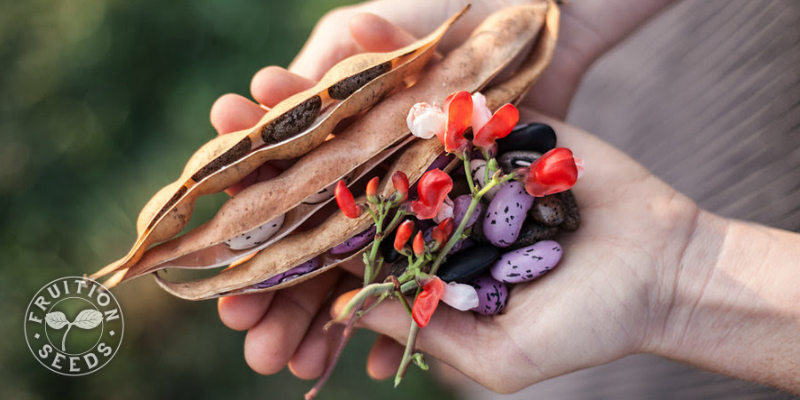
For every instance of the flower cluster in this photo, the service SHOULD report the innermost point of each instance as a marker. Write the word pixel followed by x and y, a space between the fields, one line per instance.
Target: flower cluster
pixel 467 128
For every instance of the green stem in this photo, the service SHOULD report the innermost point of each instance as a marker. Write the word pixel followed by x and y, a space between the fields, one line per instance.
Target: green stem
pixel 362 296
pixel 469 175
pixel 406 361
pixel 403 301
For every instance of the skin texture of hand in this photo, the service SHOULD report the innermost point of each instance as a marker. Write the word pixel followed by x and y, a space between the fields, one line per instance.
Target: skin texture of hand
pixel 613 292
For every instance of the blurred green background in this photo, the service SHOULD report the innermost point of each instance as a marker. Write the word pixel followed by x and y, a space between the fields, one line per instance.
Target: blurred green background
pixel 102 103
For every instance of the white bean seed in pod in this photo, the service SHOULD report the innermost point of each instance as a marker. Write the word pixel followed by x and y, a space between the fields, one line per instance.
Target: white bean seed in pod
pixel 256 236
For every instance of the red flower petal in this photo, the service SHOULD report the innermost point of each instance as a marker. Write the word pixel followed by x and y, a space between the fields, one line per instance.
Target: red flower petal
pixel 404 232
pixel 400 182
pixel 427 301
pixel 442 232
pixel 432 189
pixel 419 244
pixel 458 107
pixel 346 201
pixel 553 172
pixel 498 127
pixel 372 187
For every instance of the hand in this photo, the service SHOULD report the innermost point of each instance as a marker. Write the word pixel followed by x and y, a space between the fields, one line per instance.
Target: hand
pixel 606 299
pixel 284 326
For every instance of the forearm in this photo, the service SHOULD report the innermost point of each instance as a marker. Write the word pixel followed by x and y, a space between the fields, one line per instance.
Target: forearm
pixel 736 307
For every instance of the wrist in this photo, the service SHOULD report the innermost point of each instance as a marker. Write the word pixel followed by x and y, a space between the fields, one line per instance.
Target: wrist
pixel 734 306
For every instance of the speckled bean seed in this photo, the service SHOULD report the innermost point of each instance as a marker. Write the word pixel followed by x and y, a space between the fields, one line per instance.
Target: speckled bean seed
pixel 256 236
pixel 478 170
pixel 506 214
pixel 460 206
pixel 548 211
pixel 527 263
pixel 492 295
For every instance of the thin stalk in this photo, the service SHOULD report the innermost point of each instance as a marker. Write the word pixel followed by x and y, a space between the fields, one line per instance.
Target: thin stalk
pixel 406 361
pixel 469 175
pixel 347 334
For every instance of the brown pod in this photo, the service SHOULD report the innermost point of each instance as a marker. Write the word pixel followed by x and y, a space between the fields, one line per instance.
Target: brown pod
pixel 472 57
pixel 300 123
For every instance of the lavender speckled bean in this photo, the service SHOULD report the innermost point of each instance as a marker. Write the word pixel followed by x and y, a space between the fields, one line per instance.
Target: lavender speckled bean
pixel 478 170
pixel 356 242
pixel 506 213
pixel 460 205
pixel 527 263
pixel 302 269
pixel 492 295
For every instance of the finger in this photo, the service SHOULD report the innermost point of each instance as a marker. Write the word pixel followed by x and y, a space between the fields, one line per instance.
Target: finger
pixel 271 85
pixel 272 341
pixel 311 357
pixel 450 336
pixel 374 33
pixel 231 113
pixel 384 358
pixel 243 312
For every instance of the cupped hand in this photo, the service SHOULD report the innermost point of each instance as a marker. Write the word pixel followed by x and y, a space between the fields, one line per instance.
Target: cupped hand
pixel 284 326
pixel 607 298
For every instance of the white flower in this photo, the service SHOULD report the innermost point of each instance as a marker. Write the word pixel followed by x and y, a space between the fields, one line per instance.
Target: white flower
pixel 425 120
pixel 480 113
pixel 460 296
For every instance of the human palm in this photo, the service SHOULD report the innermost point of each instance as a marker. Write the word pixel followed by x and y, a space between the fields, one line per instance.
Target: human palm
pixel 598 304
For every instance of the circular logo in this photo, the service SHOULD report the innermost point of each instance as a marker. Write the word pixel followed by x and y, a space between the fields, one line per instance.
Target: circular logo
pixel 74 326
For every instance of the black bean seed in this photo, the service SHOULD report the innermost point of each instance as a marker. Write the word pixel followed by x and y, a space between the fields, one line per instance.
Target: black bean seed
pixel 532 137
pixel 467 265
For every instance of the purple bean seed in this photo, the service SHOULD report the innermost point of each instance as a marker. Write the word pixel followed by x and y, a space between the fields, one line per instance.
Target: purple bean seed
pixel 300 270
pixel 478 170
pixel 527 263
pixel 356 242
pixel 460 205
pixel 506 213
pixel 492 295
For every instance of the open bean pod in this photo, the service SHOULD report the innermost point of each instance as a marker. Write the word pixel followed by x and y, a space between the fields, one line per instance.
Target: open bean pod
pixel 290 129
pixel 499 40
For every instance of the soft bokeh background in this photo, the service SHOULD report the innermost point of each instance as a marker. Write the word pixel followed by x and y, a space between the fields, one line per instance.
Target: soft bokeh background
pixel 102 103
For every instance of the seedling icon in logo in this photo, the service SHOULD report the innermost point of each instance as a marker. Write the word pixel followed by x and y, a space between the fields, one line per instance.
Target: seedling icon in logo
pixel 86 319
pixel 80 303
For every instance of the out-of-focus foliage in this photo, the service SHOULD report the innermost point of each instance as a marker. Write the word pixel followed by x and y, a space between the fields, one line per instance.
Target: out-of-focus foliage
pixel 102 101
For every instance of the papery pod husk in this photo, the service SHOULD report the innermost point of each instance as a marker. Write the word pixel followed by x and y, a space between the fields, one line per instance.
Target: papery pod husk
pixel 219 254
pixel 268 263
pixel 494 45
pixel 298 248
pixel 227 159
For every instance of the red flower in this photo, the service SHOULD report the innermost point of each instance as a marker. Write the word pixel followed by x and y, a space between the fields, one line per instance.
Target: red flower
pixel 419 244
pixel 426 301
pixel 346 201
pixel 400 182
pixel 442 232
pixel 498 127
pixel 432 189
pixel 554 172
pixel 372 189
pixel 404 232
pixel 458 107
